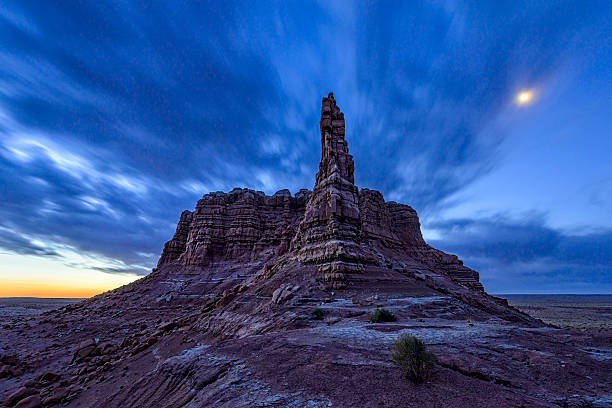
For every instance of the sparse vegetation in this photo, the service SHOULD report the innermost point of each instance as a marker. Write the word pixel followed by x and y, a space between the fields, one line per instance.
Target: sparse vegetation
pixel 318 314
pixel 381 316
pixel 412 357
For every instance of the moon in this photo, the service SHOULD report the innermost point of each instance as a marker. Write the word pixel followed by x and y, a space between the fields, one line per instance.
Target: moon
pixel 523 97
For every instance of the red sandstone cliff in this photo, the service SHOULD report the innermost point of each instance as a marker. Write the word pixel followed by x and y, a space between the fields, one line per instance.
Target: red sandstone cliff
pixel 341 229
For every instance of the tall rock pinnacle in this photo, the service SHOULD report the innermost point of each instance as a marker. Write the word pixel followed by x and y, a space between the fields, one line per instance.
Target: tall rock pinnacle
pixel 335 158
pixel 347 235
pixel 334 197
pixel 332 212
pixel 329 233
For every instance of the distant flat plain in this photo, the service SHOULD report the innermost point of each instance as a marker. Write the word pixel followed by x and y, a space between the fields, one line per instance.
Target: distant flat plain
pixel 12 308
pixel 572 311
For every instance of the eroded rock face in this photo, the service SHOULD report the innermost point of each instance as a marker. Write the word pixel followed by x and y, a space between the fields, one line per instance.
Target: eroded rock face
pixel 176 246
pixel 396 224
pixel 336 226
pixel 241 224
pixel 328 235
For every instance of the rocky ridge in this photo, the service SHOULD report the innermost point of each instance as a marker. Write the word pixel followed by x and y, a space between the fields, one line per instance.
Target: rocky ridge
pixel 227 318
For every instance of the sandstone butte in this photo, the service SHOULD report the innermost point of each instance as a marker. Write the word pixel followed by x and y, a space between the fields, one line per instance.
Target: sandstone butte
pixel 226 318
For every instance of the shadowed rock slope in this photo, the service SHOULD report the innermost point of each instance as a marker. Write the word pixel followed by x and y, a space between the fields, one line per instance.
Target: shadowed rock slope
pixel 227 317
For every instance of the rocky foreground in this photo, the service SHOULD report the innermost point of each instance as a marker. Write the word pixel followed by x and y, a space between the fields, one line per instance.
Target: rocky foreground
pixel 264 301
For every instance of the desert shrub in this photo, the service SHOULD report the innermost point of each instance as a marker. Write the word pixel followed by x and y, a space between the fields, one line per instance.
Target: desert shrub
pixel 382 315
pixel 330 320
pixel 412 357
pixel 318 314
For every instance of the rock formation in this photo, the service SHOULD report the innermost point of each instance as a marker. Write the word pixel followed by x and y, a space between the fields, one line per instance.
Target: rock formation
pixel 264 301
pixel 328 236
pixel 337 227
pixel 240 225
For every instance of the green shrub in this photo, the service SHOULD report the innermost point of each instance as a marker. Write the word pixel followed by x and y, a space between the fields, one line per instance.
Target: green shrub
pixel 382 315
pixel 412 357
pixel 318 314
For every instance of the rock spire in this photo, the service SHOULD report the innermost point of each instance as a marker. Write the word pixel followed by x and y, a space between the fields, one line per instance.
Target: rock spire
pixel 335 158
pixel 343 233
pixel 329 233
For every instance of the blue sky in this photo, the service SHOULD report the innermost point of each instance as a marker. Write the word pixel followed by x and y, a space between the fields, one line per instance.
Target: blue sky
pixel 115 116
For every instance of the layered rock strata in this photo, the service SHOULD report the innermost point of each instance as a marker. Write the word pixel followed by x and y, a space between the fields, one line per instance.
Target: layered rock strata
pixel 328 236
pixel 174 248
pixel 336 227
pixel 240 225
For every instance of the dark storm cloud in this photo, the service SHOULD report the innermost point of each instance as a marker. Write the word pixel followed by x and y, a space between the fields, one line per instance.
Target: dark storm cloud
pixel 508 252
pixel 115 116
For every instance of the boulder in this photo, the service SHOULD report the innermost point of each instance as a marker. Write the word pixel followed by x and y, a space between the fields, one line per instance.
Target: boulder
pixel 18 395
pixel 107 348
pixel 48 377
pixel 57 395
pixel 85 349
pixel 33 401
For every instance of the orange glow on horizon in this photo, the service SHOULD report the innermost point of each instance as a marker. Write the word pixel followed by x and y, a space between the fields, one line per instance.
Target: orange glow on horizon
pixel 32 276
pixel 48 290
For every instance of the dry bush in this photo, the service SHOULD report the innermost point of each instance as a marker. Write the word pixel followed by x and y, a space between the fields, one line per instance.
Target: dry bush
pixel 412 357
pixel 382 315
